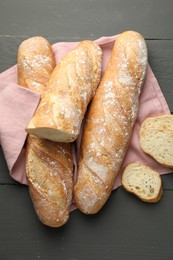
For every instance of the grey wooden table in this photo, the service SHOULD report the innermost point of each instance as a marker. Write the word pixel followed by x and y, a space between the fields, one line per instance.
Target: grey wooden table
pixel 126 228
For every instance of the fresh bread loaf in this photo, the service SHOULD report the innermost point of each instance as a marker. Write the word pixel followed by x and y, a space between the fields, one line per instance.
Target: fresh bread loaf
pixel 143 182
pixel 49 165
pixel 156 139
pixel 110 121
pixel 71 87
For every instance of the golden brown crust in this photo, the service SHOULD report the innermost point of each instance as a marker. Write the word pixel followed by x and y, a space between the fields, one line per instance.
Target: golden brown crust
pixel 71 87
pixel 152 139
pixel 49 165
pixel 154 199
pixel 110 121
pixel 49 170
pixel 35 64
pixel 160 194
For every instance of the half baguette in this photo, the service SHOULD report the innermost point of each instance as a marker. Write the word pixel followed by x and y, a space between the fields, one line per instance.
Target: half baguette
pixel 143 182
pixel 72 85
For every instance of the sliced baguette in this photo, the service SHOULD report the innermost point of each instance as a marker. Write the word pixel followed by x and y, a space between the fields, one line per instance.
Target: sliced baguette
pixel 156 139
pixel 143 182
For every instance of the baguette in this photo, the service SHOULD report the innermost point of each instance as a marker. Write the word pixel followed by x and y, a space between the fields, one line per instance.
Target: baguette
pixel 143 182
pixel 71 87
pixel 48 165
pixel 110 121
pixel 156 139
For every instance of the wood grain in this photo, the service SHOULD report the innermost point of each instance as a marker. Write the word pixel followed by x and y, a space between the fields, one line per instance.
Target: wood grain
pixel 94 18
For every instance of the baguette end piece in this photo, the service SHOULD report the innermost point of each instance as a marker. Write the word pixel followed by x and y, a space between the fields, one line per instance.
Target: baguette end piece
pixel 90 193
pixel 49 171
pixel 35 63
pixel 47 211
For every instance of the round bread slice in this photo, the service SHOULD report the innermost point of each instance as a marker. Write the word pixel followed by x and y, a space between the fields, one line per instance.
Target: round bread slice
pixel 143 182
pixel 156 139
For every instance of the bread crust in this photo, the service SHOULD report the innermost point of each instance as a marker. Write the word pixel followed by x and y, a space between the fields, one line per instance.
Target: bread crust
pixel 71 87
pixel 49 166
pixel 49 170
pixel 110 121
pixel 161 127
pixel 35 64
pixel 149 200
pixel 158 198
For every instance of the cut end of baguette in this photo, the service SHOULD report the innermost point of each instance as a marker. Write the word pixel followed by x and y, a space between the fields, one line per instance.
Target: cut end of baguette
pixel 143 182
pixel 156 139
pixel 51 134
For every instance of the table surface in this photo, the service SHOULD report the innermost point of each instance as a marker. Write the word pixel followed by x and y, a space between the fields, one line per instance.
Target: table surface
pixel 125 228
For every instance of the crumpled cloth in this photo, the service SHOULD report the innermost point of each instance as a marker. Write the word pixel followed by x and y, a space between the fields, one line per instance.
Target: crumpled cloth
pixel 18 104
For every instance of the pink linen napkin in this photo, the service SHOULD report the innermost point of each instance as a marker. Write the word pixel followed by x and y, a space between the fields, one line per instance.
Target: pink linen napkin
pixel 18 104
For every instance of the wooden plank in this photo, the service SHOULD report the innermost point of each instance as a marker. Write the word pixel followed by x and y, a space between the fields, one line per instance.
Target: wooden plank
pixel 161 61
pixel 125 228
pixel 86 18
pixel 167 180
pixel 5 178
